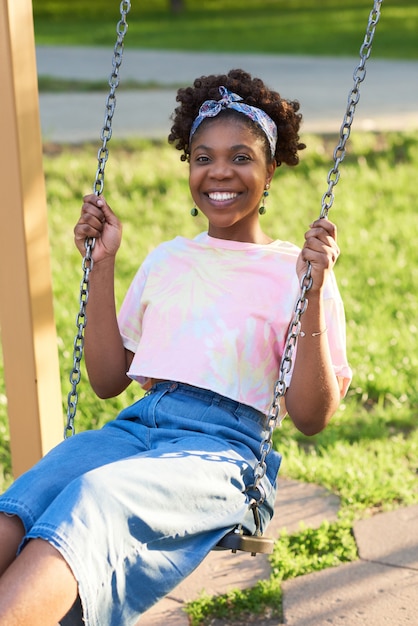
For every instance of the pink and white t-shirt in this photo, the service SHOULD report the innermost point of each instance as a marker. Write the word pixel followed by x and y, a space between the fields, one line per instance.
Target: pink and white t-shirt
pixel 214 313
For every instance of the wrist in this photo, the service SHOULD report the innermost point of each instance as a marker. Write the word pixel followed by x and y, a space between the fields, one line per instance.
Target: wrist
pixel 105 263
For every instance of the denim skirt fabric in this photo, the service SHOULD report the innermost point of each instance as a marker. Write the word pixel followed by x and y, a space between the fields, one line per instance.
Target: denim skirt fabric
pixel 135 506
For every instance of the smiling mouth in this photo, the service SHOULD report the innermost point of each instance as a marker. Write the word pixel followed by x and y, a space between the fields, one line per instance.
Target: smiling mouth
pixel 222 196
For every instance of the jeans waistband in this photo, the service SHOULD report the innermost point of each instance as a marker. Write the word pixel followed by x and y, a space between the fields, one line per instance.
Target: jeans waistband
pixel 211 397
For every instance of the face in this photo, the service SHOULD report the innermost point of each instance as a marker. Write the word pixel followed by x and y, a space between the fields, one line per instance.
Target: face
pixel 228 175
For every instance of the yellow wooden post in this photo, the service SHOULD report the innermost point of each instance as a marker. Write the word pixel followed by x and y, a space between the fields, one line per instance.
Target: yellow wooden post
pixel 26 311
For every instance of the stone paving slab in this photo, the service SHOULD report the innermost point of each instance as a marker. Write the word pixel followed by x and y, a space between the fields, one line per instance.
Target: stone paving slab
pixel 357 594
pixel 222 571
pixel 380 588
pixel 390 538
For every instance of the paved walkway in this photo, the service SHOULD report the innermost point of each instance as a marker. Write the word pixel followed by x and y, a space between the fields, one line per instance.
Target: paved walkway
pixel 389 95
pixel 382 586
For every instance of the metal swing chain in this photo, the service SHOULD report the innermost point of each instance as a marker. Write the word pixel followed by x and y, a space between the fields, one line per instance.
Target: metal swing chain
pixel 87 264
pixel 272 418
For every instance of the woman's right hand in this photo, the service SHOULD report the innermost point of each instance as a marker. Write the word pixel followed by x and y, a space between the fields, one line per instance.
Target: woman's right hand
pixel 98 220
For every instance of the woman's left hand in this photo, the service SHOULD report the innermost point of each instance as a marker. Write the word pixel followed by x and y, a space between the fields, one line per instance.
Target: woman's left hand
pixel 321 250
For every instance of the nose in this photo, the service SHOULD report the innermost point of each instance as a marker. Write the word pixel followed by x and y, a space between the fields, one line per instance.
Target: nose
pixel 220 169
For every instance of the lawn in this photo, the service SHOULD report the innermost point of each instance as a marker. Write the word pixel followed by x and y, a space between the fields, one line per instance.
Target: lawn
pixel 329 27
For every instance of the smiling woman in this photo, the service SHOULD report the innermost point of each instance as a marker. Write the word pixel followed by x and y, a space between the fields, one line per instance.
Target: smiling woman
pixel 202 329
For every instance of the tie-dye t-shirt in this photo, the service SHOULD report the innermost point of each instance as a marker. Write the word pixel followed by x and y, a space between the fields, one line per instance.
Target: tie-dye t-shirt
pixel 214 313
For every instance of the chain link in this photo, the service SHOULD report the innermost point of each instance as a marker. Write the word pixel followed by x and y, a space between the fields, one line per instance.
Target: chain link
pixel 273 415
pixel 87 264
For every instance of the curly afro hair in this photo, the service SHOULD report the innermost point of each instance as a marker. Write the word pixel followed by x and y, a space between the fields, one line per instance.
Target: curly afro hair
pixel 253 92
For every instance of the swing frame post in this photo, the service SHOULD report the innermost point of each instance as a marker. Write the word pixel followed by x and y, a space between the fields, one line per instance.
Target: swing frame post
pixel 29 341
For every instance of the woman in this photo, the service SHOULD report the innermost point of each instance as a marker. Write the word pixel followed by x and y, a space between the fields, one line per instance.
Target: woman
pixel 111 520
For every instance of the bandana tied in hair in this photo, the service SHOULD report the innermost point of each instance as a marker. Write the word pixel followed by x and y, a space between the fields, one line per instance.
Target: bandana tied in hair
pixel 229 100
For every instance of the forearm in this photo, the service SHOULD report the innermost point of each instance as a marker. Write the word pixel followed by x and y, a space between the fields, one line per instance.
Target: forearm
pixel 106 357
pixel 313 395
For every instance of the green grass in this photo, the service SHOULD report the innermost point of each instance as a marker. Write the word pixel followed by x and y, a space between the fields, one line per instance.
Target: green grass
pixel 329 27
pixel 369 453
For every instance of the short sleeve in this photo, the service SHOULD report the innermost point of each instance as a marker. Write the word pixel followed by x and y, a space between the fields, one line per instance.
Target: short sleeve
pixel 132 311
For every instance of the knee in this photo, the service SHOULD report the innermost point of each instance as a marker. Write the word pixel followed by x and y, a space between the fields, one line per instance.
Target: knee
pixel 12 529
pixel 11 523
pixel 11 534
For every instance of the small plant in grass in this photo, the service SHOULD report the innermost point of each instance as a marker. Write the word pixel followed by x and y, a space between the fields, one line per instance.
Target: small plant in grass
pixel 238 606
pixel 313 549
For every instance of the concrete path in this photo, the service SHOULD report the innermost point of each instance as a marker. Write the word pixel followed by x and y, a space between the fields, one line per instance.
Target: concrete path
pixel 380 588
pixel 389 95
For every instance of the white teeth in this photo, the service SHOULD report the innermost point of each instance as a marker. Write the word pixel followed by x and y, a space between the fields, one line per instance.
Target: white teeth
pixel 221 196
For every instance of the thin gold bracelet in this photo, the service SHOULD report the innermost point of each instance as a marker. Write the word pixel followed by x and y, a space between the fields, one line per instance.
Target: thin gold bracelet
pixel 321 332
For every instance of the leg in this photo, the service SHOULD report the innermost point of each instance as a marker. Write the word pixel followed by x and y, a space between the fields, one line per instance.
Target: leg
pixel 11 534
pixel 156 515
pixel 38 588
pixel 129 536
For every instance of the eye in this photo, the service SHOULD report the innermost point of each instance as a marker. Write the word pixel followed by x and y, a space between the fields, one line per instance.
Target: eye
pixel 242 158
pixel 202 158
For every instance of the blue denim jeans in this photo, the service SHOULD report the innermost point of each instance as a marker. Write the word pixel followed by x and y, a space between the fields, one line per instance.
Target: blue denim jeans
pixel 136 506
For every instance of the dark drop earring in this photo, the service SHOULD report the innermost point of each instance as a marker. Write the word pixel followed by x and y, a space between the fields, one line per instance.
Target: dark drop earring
pixel 262 210
pixel 194 212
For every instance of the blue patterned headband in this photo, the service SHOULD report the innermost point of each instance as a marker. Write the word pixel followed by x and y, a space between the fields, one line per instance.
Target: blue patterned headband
pixel 229 100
